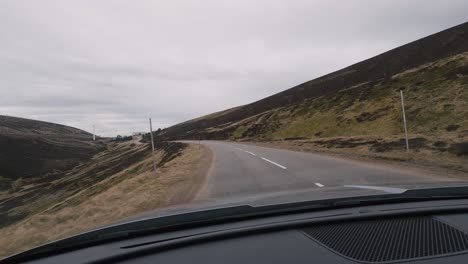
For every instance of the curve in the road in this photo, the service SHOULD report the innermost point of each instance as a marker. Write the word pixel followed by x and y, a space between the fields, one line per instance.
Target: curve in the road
pixel 241 169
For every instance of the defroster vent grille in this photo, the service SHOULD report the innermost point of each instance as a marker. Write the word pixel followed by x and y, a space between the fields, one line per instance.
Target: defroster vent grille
pixel 390 240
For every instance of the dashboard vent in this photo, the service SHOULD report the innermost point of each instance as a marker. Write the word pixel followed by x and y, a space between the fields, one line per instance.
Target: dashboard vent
pixel 390 240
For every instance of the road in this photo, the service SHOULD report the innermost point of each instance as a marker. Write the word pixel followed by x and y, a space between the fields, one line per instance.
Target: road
pixel 240 169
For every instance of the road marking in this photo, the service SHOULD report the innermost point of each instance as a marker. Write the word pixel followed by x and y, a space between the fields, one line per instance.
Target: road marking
pixel 235 148
pixel 274 163
pixel 253 154
pixel 319 184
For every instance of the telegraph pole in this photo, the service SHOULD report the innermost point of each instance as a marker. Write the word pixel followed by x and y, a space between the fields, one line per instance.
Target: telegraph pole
pixel 152 145
pixel 404 120
pixel 94 133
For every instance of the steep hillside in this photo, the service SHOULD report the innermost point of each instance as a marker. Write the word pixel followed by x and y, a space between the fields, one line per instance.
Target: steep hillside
pixel 16 125
pixel 116 184
pixel 31 148
pixel 117 162
pixel 56 181
pixel 360 100
pixel 436 97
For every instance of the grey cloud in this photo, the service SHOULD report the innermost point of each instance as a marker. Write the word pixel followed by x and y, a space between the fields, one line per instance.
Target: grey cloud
pixel 115 63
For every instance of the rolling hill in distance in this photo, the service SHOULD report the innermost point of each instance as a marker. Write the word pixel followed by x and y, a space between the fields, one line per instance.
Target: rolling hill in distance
pixel 32 148
pixel 361 100
pixel 17 125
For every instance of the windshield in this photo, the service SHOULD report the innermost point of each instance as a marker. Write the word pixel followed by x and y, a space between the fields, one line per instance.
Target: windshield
pixel 118 111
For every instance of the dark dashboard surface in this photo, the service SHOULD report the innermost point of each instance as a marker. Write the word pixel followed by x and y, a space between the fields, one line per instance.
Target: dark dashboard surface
pixel 421 232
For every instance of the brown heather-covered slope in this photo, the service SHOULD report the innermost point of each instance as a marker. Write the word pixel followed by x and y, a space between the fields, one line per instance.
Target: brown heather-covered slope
pixel 124 187
pixel 31 148
pixel 358 98
pixel 17 125
pixel 46 166
pixel 56 181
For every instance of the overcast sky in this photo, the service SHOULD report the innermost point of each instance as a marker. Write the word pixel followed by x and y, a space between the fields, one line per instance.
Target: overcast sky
pixel 116 63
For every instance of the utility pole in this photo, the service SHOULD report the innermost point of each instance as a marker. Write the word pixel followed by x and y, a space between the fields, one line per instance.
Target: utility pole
pixel 404 120
pixel 152 145
pixel 94 133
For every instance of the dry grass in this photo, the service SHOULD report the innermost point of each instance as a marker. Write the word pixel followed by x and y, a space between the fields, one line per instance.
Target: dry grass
pixel 140 193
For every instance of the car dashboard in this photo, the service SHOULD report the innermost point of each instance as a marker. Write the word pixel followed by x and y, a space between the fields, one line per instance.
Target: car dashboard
pixel 420 232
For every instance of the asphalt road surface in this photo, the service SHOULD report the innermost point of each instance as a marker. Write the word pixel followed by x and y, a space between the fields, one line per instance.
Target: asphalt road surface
pixel 239 170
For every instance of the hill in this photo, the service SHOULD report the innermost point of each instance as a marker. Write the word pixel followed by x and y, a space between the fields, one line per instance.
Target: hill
pixel 32 148
pixel 56 181
pixel 45 167
pixel 17 125
pixel 359 100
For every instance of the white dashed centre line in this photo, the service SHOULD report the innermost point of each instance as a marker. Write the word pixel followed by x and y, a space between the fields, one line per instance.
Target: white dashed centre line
pixel 319 184
pixel 253 154
pixel 274 163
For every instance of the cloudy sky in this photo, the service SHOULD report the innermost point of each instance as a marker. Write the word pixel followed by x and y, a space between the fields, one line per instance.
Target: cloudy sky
pixel 116 63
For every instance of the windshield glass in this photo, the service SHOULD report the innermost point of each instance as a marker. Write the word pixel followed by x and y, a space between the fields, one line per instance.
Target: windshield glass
pixel 117 111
